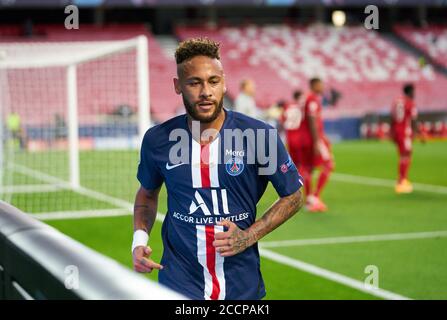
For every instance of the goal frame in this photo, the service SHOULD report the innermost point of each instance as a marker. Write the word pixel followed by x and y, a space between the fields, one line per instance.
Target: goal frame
pixel 140 44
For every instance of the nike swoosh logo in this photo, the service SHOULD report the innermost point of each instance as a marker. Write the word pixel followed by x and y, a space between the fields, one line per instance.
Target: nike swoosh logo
pixel 170 167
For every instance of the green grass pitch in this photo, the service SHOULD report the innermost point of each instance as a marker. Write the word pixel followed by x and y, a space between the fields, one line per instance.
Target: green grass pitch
pixel 413 268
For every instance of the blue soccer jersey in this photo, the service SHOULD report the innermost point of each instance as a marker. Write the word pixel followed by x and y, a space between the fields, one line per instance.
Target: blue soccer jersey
pixel 214 182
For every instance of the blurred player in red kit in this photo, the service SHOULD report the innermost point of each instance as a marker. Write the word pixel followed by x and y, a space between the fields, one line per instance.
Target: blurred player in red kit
pixel 403 116
pixel 308 145
pixel 291 120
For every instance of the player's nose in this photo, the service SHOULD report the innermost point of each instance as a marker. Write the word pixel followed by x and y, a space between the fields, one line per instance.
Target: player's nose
pixel 205 93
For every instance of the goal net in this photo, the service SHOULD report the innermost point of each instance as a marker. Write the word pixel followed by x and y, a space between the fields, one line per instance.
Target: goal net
pixel 72 117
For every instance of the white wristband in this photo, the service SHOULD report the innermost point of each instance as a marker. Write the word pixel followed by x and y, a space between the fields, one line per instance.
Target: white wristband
pixel 140 238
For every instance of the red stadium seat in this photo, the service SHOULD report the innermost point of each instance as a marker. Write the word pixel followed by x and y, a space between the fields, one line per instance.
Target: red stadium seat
pixel 164 101
pixel 367 69
pixel 432 40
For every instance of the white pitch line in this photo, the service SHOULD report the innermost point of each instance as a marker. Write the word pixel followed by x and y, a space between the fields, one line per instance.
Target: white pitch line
pixel 39 175
pixel 330 275
pixel 379 182
pixel 64 215
pixel 278 258
pixel 264 252
pixel 30 188
pixel 83 191
pixel 85 214
pixel 353 239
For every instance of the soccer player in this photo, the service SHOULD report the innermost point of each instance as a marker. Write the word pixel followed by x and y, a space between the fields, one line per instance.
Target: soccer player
pixel 403 116
pixel 14 126
pixel 311 148
pixel 210 231
pixel 245 102
pixel 291 120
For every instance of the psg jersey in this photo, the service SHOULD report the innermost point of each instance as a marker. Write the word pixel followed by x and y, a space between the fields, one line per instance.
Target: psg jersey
pixel 220 180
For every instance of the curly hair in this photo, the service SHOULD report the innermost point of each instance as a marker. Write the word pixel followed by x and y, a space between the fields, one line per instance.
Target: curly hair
pixel 197 47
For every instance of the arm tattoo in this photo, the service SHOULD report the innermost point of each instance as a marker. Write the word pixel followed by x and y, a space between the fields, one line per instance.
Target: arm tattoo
pixel 282 210
pixel 242 240
pixel 145 209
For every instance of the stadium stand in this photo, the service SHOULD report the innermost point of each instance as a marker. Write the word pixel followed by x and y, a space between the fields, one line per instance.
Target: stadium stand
pixel 163 102
pixel 432 40
pixel 363 66
pixel 366 68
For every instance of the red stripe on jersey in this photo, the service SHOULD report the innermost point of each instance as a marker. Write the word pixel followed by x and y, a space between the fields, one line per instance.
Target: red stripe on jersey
pixel 205 165
pixel 211 261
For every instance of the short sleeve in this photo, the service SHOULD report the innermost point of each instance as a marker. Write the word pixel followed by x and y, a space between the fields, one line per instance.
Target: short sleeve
pixel 286 178
pixel 148 173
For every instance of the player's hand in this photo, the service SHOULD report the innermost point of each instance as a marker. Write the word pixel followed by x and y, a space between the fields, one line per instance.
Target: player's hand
pixel 232 241
pixel 141 261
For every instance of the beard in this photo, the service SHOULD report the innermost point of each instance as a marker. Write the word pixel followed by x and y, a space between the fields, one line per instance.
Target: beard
pixel 198 116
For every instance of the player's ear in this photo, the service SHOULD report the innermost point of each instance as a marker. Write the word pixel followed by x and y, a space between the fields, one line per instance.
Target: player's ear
pixel 224 84
pixel 177 86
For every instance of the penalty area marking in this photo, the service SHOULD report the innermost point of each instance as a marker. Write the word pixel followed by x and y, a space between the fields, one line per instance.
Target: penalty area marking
pixel 353 239
pixel 122 204
pixel 85 214
pixel 30 188
pixel 379 182
pixel 330 275
pixel 66 215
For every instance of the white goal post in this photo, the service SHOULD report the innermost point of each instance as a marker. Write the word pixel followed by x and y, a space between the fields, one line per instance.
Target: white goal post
pixel 29 73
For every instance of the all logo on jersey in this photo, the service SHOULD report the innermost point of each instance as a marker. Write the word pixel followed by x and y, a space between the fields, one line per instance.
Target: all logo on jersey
pixel 199 203
pixel 234 166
